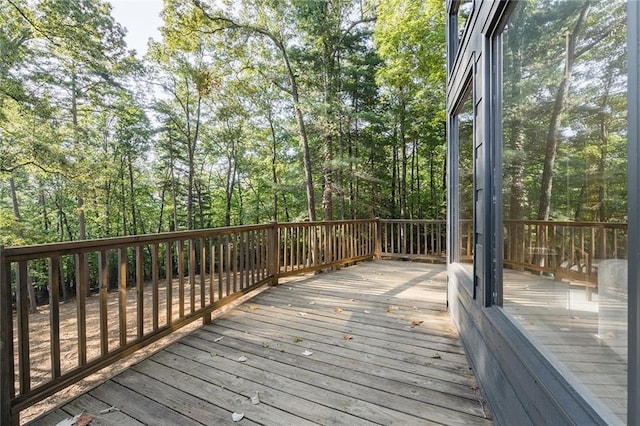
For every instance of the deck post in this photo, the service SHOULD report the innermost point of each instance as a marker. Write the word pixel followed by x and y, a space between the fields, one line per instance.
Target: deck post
pixel 378 236
pixel 7 390
pixel 273 253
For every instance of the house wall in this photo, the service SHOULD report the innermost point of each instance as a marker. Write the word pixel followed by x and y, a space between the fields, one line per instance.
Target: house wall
pixel 520 379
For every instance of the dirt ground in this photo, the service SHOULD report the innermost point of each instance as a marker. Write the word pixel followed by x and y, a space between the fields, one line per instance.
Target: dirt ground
pixel 40 338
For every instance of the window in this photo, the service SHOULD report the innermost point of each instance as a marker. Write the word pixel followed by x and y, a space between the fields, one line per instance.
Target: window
pixel 464 243
pixel 564 192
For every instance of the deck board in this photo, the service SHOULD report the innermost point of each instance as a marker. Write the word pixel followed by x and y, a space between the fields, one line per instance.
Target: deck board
pixel 384 351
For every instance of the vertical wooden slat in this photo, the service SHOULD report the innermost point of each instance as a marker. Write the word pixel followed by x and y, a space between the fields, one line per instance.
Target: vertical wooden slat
pixel 81 306
pixel 203 272
pixel 227 263
pixel 180 259
pixel 22 316
pixel 290 247
pixel 285 239
pixel 212 270
pixel 103 285
pixel 54 314
pixel 155 284
pixel 122 299
pixel 7 372
pixel 139 291
pixel 235 261
pixel 192 275
pixel 220 266
pixel 252 258
pixel 240 259
pixel 169 277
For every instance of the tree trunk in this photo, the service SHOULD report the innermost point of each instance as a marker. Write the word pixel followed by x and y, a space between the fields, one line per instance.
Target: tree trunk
pixel 132 193
pixel 403 148
pixel 16 212
pixel 552 141
pixel 274 158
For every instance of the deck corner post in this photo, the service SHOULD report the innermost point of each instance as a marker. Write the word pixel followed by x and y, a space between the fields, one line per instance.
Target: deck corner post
pixel 378 230
pixel 273 253
pixel 7 390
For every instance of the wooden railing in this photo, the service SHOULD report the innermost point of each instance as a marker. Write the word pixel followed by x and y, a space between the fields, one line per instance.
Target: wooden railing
pixel 570 250
pixel 414 239
pixel 140 289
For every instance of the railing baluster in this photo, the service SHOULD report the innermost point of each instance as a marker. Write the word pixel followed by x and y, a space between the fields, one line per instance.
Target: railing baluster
pixel 81 303
pixel 203 273
pixel 169 290
pixel 227 263
pixel 155 283
pixel 122 300
pixel 54 314
pixel 7 372
pixel 22 316
pixel 180 260
pixel 103 286
pixel 192 275
pixel 139 291
pixel 212 271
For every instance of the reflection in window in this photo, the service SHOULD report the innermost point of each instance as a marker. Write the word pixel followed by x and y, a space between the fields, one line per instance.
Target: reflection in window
pixel 564 187
pixel 464 11
pixel 465 181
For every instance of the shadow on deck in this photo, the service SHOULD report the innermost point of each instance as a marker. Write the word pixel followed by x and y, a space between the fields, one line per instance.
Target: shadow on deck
pixel 371 343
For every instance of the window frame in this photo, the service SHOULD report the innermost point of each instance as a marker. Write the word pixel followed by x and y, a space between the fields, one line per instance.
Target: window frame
pixel 493 48
pixel 464 93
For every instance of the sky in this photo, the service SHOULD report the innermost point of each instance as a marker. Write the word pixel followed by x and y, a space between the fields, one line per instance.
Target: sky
pixel 141 18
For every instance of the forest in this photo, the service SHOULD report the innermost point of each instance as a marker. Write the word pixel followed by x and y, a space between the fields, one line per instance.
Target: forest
pixel 245 112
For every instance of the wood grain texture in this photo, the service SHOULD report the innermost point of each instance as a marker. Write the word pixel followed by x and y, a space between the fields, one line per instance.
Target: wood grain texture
pixel 383 352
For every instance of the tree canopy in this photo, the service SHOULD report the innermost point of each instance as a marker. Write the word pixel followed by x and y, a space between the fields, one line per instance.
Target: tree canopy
pixel 246 111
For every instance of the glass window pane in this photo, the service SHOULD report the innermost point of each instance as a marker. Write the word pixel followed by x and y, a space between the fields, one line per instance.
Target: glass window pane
pixel 564 187
pixel 465 182
pixel 464 11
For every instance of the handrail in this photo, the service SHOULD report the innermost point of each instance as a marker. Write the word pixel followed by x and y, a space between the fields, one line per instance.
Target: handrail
pixel 413 239
pixel 187 274
pixel 190 274
pixel 564 249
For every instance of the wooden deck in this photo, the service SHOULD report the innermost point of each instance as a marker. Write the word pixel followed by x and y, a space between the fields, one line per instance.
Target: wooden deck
pixel 561 318
pixel 368 344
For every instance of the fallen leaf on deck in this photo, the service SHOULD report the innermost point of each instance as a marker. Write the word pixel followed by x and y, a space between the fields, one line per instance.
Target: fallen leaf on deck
pixel 416 323
pixel 338 310
pixel 307 352
pixel 213 354
pixel 297 339
pixel 84 420
pixel 217 340
pixel 436 356
pixel 255 399
pixel 253 308
pixel 347 337
pixel 236 417
pixel 109 410
pixel 242 358
pixel 474 388
pixel 69 422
